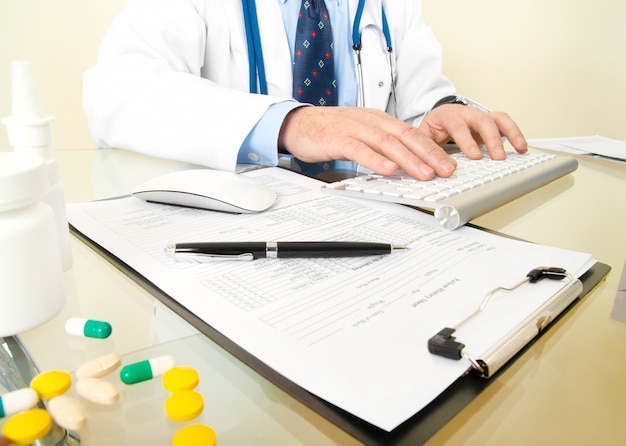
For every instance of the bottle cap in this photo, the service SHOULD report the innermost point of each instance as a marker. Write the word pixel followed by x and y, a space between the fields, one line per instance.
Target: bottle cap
pixel 23 180
pixel 24 99
pixel 28 127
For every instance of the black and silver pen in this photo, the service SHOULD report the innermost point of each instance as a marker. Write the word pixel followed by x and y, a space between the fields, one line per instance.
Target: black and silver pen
pixel 203 252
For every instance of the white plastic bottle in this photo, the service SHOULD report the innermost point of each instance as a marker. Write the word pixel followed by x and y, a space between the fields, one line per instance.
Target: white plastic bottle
pixel 29 132
pixel 31 273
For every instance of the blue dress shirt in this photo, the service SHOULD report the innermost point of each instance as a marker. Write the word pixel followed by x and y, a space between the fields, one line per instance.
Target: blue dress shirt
pixel 260 147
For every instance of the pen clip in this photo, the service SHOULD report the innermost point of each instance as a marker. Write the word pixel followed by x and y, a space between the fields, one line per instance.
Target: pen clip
pixel 194 257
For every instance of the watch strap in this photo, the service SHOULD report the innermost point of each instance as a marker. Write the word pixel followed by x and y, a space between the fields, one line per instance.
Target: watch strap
pixel 452 99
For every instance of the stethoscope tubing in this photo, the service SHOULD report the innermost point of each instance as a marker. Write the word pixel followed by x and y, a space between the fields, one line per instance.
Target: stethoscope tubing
pixel 255 52
pixel 258 81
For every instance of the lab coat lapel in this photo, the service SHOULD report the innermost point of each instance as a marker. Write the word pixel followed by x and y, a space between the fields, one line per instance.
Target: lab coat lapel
pixel 276 53
pixel 374 56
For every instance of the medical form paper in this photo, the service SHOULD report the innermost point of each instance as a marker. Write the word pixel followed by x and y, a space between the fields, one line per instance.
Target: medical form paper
pixel 352 331
pixel 584 145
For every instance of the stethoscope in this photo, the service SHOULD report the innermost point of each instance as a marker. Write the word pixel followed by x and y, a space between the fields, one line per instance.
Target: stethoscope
pixel 258 81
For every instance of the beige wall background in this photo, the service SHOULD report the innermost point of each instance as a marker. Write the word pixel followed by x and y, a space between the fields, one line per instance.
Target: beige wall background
pixel 558 67
pixel 60 38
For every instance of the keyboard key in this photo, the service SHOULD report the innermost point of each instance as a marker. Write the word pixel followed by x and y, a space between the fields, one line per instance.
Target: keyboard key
pixel 475 187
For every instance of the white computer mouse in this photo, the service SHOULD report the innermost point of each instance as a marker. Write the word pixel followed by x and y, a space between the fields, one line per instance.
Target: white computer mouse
pixel 207 189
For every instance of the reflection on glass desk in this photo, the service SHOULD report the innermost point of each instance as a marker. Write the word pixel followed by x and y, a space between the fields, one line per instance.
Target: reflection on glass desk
pixel 565 389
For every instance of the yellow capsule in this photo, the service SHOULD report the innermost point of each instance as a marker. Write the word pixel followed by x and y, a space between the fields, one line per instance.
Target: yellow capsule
pixel 184 405
pixel 27 427
pixel 180 378
pixel 194 435
pixel 51 383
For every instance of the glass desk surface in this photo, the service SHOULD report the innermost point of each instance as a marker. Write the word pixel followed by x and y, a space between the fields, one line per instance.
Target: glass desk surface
pixel 566 389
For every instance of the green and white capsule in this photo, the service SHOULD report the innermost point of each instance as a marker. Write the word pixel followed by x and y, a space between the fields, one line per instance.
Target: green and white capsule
pixel 148 369
pixel 88 327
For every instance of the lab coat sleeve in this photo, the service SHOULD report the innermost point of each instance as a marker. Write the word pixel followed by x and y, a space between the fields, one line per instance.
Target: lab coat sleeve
pixel 418 62
pixel 146 92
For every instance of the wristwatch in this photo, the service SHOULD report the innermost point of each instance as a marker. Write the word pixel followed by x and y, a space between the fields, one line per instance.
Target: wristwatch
pixel 452 99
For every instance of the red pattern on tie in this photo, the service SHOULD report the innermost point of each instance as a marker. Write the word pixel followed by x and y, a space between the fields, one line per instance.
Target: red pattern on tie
pixel 314 69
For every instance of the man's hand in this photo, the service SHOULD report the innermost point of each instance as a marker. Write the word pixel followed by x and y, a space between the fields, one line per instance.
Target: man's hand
pixel 383 143
pixel 470 127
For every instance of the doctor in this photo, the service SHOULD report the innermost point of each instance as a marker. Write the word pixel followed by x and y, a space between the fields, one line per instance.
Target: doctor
pixel 173 79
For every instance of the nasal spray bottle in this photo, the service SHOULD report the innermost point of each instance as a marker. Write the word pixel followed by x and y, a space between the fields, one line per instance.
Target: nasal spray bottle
pixel 29 132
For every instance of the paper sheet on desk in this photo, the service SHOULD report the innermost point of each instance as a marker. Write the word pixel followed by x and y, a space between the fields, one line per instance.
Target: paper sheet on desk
pixel 584 145
pixel 351 331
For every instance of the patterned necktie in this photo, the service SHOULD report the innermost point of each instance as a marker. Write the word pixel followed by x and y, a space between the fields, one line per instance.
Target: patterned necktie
pixel 313 67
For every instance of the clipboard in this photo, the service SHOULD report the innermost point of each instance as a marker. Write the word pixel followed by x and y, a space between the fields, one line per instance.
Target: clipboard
pixel 417 429
pixel 445 344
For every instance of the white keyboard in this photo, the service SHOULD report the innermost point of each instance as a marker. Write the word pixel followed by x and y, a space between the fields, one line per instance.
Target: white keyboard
pixel 475 188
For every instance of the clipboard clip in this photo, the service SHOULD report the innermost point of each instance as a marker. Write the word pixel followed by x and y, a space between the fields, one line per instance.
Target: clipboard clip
pixel 445 344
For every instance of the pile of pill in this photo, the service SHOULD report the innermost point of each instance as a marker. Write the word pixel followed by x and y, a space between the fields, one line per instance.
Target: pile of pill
pixel 32 423
pixel 29 423
pixel 184 403
pixel 88 382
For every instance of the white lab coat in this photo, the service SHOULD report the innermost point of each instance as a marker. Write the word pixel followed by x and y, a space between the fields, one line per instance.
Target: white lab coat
pixel 172 75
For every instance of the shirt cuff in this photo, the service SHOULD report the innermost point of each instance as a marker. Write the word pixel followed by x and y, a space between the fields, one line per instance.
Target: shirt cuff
pixel 261 144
